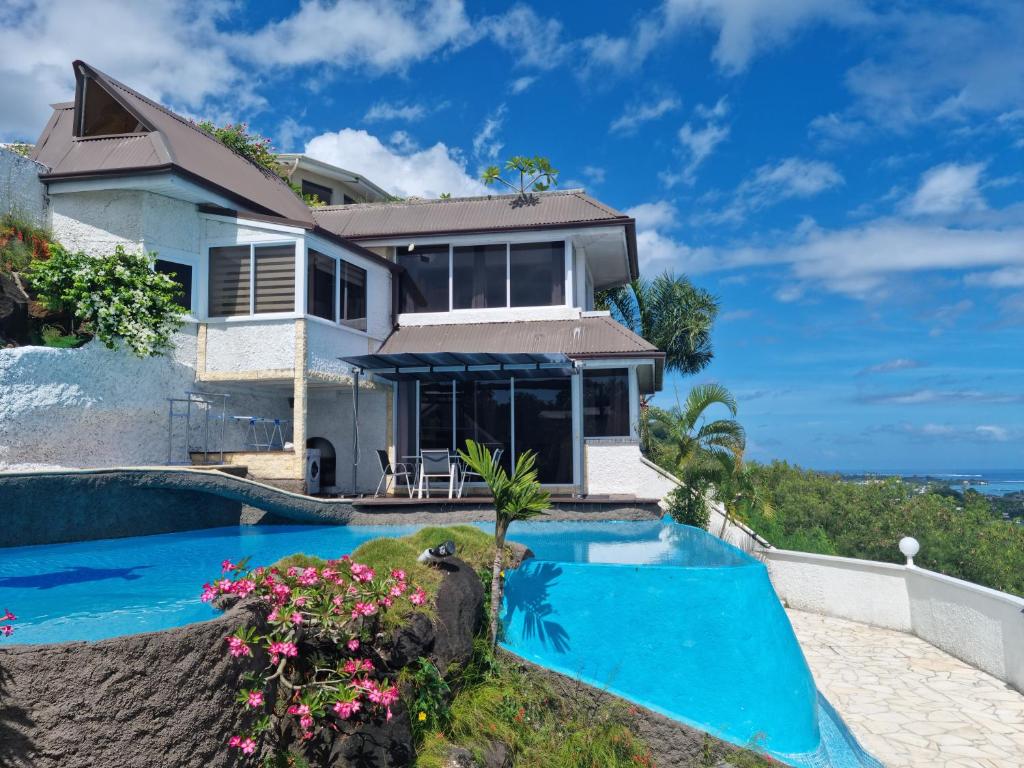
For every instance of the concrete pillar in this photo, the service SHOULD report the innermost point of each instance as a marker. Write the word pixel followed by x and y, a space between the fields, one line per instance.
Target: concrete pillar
pixel 299 409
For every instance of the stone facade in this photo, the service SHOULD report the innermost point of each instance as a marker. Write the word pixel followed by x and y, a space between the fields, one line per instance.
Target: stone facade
pixel 21 192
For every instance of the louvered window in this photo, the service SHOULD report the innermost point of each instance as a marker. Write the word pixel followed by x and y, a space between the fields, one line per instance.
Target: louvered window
pixel 229 280
pixel 252 279
pixel 353 296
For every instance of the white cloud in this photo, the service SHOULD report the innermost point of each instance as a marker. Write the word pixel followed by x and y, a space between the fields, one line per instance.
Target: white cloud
pixel 636 115
pixel 521 84
pixel 422 173
pixel 832 129
pixel 291 133
pixel 594 174
pixel 660 214
pixel 992 432
pixel 403 142
pixel 699 143
pixel 150 46
pixel 355 34
pixel 1007 277
pixel 948 188
pixel 773 183
pixel 897 364
pixel 384 110
pixel 535 42
pixel 487 144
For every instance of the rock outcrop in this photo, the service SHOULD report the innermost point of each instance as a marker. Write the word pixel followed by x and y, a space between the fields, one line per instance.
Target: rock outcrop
pixel 167 698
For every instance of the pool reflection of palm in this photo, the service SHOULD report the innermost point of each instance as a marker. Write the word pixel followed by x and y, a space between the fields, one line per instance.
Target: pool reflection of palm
pixel 76 574
pixel 527 594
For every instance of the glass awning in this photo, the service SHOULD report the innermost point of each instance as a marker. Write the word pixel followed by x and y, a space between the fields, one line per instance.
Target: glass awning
pixel 462 366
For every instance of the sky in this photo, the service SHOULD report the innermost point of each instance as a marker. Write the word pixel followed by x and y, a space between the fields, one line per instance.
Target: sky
pixel 846 176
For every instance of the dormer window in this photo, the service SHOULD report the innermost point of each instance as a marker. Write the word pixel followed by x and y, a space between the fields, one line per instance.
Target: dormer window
pixel 100 114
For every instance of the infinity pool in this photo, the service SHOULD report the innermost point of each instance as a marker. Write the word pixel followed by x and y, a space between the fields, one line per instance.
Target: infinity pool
pixel 662 614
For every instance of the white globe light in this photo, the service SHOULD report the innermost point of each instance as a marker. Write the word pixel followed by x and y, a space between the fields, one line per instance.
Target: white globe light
pixel 909 546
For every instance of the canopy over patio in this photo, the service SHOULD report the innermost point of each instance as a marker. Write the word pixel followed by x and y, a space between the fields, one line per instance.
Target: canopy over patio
pixel 462 366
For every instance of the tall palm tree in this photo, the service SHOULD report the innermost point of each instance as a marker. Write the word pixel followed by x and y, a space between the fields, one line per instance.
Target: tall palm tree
pixel 671 313
pixel 701 452
pixel 518 497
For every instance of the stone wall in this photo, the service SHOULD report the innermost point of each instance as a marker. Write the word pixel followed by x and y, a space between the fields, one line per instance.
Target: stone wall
pixel 21 192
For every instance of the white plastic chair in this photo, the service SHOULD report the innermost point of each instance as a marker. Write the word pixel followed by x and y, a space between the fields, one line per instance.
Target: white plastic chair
pixel 436 464
pixel 389 474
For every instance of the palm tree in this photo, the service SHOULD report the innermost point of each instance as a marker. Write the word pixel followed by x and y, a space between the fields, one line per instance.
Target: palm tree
pixel 518 497
pixel 670 312
pixel 700 452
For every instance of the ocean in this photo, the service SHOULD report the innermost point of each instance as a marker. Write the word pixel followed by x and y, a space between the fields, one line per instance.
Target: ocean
pixel 991 482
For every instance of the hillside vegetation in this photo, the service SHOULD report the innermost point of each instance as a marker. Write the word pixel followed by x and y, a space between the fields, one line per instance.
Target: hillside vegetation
pixel 960 534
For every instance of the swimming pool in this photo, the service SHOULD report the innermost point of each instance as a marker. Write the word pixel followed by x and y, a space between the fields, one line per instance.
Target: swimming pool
pixel 662 614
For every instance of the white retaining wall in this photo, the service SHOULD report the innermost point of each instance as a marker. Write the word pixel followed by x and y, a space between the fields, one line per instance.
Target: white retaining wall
pixel 329 415
pixel 980 626
pixel 21 191
pixel 94 407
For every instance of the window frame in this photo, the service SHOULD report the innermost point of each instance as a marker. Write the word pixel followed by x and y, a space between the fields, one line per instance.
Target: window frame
pixel 328 190
pixel 186 260
pixel 339 299
pixel 252 246
pixel 508 240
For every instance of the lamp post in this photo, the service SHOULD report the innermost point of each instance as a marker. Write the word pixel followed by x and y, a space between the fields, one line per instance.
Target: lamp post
pixel 909 546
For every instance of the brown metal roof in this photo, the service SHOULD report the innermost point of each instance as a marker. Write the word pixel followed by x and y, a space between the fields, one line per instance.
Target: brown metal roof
pixel 586 337
pixel 462 215
pixel 170 143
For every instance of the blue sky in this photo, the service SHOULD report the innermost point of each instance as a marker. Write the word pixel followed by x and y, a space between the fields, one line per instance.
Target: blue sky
pixel 847 176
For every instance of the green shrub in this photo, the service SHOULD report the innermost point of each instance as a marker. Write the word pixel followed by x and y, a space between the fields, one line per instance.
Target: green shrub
pixel 688 506
pixel 55 337
pixel 21 241
pixel 118 297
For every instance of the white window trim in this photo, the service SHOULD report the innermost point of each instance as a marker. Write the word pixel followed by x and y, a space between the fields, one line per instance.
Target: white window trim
pixel 338 261
pixel 253 245
pixel 187 259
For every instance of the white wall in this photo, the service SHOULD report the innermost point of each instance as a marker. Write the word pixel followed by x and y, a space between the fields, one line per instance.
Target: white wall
pixel 250 346
pixel 93 407
pixel 21 191
pixel 329 415
pixel 326 342
pixel 981 626
pixel 614 465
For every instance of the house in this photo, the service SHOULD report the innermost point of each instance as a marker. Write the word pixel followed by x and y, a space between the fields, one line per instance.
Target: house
pixel 368 323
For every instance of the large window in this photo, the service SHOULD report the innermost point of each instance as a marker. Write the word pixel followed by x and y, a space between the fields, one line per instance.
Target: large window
pixel 320 292
pixel 538 274
pixel 479 276
pixel 353 296
pixel 319 191
pixel 484 414
pixel 180 274
pixel 482 276
pixel 436 402
pixel 606 402
pixel 544 426
pixel 425 281
pixel 251 279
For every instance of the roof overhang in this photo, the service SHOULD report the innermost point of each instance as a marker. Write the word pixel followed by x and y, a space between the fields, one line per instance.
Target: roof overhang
pixel 461 366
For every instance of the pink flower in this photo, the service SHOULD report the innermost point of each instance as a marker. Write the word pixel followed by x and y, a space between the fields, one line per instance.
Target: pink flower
pixel 7 630
pixel 255 699
pixel 300 601
pixel 345 709
pixel 272 616
pixel 296 618
pixel 8 616
pixel 399 589
pixel 353 644
pixel 225 586
pixel 279 649
pixel 305 717
pixel 208 593
pixel 363 609
pixel 309 577
pixel 243 587
pixel 399 574
pixel 248 746
pixel 226 566
pixel 386 602
pixel 362 572
pixel 235 741
pixel 419 597
pixel 238 647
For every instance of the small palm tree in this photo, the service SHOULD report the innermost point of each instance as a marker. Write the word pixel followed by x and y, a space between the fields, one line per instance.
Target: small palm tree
pixel 700 452
pixel 518 497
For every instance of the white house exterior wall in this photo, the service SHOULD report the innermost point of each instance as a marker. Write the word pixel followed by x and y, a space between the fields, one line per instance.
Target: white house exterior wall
pixel 97 222
pixel 496 315
pixel 329 415
pixel 253 345
pixel 326 342
pixel 615 465
pixel 21 191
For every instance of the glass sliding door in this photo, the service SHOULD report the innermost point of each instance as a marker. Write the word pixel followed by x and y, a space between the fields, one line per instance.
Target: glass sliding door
pixel 483 412
pixel 436 404
pixel 543 424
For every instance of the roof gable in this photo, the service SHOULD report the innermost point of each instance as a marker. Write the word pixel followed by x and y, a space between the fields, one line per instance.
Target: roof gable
pixel 161 141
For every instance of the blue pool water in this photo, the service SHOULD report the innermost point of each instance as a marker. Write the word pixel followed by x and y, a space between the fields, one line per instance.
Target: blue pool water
pixel 662 614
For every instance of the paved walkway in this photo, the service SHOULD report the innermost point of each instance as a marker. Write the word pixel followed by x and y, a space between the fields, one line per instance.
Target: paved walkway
pixel 909 703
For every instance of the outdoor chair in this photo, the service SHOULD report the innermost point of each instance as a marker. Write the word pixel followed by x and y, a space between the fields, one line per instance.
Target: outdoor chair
pixel 392 474
pixel 466 471
pixel 436 464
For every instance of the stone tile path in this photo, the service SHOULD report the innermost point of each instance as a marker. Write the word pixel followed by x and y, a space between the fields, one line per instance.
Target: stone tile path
pixel 908 703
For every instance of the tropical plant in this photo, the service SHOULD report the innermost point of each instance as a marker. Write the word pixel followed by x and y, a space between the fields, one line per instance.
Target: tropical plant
pixel 238 138
pixel 7 623
pixel 117 297
pixel 21 241
pixel 535 175
pixel 670 312
pixel 318 635
pixel 516 497
pixel 702 453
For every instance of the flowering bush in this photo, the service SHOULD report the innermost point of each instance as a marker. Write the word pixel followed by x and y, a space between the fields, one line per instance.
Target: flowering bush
pixel 21 242
pixel 318 638
pixel 6 625
pixel 119 296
